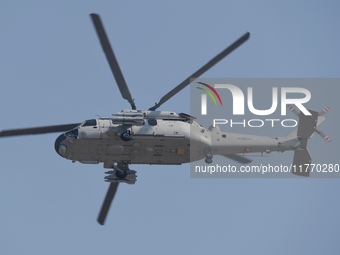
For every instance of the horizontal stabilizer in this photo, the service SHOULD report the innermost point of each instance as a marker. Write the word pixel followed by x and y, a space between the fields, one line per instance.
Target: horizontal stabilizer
pixel 301 162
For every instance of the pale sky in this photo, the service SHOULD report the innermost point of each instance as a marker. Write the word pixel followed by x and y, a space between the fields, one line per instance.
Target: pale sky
pixel 53 71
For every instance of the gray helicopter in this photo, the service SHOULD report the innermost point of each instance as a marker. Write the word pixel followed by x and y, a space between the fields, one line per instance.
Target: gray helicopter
pixel 135 136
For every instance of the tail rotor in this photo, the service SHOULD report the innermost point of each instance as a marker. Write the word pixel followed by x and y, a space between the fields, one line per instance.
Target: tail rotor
pixel 321 118
pixel 308 126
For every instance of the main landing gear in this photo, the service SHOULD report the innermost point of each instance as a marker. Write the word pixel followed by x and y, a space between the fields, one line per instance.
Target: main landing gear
pixel 121 173
pixel 208 158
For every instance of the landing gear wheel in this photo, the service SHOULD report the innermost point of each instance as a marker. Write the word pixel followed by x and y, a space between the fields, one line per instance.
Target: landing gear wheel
pixel 126 136
pixel 208 158
pixel 121 175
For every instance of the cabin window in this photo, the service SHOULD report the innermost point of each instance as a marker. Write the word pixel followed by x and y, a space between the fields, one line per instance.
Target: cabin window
pixel 224 136
pixel 152 122
pixel 90 123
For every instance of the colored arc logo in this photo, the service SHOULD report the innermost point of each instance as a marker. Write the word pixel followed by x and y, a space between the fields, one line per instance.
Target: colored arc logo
pixel 209 93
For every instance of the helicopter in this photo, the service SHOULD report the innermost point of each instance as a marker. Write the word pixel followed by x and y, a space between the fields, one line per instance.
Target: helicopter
pixel 135 136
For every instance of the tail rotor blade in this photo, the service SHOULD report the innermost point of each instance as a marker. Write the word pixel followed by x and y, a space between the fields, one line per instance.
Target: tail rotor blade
pixel 292 109
pixel 111 192
pixel 324 110
pixel 202 70
pixel 323 135
pixel 117 73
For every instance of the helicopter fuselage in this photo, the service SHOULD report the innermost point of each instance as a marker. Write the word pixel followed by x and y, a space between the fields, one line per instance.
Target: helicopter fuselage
pixel 157 137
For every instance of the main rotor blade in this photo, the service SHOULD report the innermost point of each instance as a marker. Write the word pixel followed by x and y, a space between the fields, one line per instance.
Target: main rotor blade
pixel 117 73
pixel 111 192
pixel 38 130
pixel 202 70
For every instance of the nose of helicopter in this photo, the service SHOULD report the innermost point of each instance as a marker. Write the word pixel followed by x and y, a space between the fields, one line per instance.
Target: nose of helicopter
pixel 60 148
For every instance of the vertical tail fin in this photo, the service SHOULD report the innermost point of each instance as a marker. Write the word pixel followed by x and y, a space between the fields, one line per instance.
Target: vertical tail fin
pixel 301 162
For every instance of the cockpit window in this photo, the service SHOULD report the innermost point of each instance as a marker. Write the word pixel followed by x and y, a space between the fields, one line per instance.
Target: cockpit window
pixel 90 123
pixel 73 133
